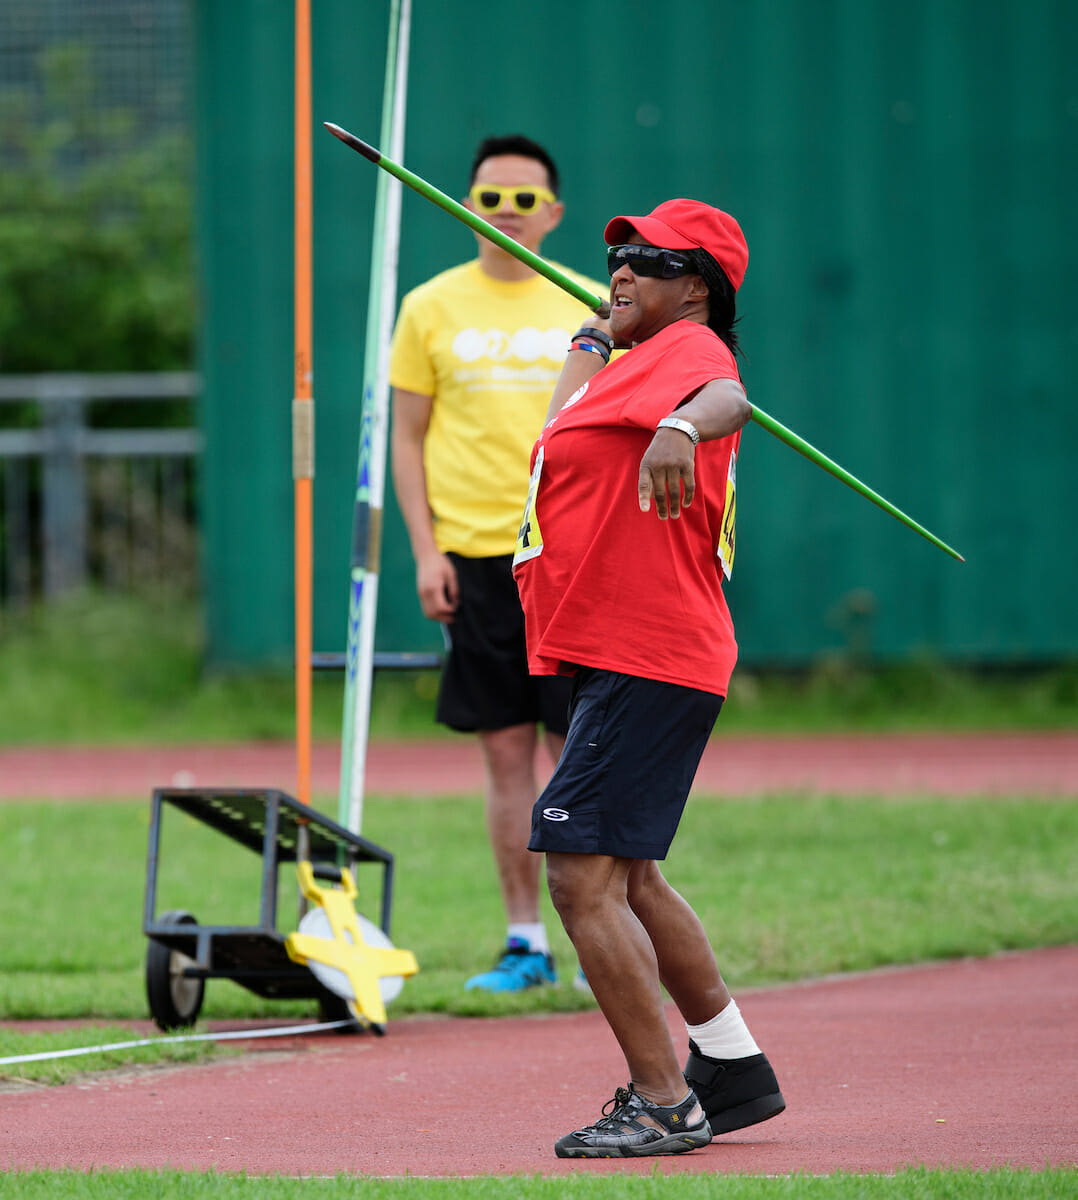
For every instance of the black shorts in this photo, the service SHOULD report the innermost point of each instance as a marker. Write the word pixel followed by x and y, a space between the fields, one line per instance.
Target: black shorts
pixel 628 763
pixel 485 682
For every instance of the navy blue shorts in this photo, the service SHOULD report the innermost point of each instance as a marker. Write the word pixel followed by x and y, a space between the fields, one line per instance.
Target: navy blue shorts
pixel 485 682
pixel 629 761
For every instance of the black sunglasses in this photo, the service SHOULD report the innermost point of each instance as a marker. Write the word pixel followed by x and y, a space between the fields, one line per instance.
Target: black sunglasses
pixel 652 261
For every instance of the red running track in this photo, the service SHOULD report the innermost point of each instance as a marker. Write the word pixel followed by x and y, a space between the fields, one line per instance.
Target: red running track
pixel 1043 764
pixel 961 1064
pixel 969 1064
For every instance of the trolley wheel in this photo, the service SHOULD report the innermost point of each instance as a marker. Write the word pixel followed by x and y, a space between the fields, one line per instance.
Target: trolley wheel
pixel 175 998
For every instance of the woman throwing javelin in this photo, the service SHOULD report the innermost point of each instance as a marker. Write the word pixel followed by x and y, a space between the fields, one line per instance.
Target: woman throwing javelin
pixel 627 534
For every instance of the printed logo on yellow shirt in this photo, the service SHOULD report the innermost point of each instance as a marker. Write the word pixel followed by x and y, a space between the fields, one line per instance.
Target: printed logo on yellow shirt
pixel 527 344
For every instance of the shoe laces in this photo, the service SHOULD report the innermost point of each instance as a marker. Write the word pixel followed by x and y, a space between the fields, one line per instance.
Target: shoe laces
pixel 512 955
pixel 623 1106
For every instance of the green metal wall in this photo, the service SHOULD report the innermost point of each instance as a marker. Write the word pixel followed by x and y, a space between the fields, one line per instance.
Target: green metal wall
pixel 906 178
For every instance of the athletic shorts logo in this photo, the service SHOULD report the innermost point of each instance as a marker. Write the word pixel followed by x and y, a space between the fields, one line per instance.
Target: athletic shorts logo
pixel 555 814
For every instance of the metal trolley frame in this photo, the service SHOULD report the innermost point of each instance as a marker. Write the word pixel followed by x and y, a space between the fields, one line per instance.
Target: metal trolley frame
pixel 182 954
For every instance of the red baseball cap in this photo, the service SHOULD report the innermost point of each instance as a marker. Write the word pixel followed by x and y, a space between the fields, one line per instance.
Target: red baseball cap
pixel 688 225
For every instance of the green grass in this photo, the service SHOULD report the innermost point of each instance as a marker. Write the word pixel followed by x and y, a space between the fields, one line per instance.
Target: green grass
pixel 919 694
pixel 108 669
pixel 914 1184
pixel 788 889
pixel 99 668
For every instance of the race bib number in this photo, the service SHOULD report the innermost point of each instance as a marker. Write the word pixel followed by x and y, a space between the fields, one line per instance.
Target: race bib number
pixel 726 538
pixel 530 539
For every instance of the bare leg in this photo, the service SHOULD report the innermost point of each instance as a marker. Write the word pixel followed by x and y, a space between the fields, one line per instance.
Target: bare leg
pixel 555 744
pixel 509 759
pixel 686 961
pixel 590 892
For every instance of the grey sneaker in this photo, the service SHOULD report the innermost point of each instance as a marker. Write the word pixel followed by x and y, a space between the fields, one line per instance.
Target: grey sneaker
pixel 621 1133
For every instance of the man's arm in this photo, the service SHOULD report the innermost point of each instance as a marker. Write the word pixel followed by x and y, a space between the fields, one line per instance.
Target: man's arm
pixel 436 580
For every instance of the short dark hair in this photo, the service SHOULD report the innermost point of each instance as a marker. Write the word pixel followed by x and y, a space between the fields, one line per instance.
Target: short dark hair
pixel 721 300
pixel 514 143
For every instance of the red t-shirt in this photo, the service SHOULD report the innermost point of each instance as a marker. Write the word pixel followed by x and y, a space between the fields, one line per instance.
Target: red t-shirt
pixel 602 583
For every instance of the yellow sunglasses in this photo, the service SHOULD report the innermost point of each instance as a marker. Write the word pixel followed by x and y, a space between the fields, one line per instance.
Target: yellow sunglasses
pixel 489 197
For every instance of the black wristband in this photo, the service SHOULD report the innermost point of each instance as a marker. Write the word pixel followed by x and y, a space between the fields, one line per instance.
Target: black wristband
pixel 595 335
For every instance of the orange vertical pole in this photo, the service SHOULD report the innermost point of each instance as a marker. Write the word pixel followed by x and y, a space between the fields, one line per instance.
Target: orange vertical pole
pixel 303 401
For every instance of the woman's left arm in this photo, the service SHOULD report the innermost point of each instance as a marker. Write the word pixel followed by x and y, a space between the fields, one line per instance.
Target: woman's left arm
pixel 667 474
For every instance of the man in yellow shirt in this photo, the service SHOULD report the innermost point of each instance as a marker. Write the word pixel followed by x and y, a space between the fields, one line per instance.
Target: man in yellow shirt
pixel 476 353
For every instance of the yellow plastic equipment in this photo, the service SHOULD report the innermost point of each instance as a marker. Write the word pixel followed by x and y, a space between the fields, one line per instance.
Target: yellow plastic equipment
pixel 348 951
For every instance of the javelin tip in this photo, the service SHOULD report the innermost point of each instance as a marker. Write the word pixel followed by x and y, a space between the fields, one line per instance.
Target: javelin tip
pixel 350 139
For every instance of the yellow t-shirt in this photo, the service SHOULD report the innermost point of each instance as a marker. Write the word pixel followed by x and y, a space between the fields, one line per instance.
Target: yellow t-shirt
pixel 489 353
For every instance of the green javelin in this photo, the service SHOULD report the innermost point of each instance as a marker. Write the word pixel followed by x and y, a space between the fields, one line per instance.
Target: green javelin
pixel 598 305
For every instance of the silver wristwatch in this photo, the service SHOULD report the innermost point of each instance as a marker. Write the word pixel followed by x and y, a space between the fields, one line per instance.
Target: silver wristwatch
pixel 685 427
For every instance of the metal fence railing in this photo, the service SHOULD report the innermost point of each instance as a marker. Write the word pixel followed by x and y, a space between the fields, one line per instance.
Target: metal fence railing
pixel 86 497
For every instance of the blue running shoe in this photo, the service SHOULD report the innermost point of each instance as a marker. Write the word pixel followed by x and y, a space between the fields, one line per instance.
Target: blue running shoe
pixel 518 968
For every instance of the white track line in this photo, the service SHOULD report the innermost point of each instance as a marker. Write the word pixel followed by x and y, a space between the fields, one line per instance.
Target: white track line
pixel 238 1034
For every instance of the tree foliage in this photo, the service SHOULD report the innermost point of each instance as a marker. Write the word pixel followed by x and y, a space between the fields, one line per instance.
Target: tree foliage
pixel 96 263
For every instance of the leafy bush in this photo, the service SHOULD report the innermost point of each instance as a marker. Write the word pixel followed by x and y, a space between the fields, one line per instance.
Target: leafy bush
pixel 95 230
